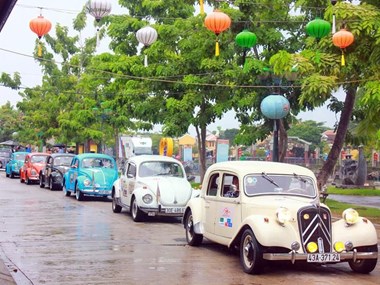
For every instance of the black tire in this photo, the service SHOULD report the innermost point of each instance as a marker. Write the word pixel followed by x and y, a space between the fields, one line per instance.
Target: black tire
pixel 42 183
pixel 6 174
pixel 364 266
pixel 12 175
pixel 116 208
pixel 78 194
pixel 137 214
pixel 67 193
pixel 51 186
pixel 192 238
pixel 250 253
pixel 27 180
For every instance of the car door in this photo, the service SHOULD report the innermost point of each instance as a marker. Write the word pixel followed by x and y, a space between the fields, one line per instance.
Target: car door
pixel 228 209
pixel 72 174
pixel 210 198
pixel 49 164
pixel 128 183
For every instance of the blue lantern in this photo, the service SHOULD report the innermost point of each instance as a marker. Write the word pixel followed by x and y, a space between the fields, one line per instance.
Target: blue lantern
pixel 275 107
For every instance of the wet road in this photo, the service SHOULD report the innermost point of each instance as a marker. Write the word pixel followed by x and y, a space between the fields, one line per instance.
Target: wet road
pixel 47 238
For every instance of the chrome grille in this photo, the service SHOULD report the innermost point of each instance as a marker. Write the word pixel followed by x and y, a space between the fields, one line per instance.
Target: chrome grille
pixel 315 226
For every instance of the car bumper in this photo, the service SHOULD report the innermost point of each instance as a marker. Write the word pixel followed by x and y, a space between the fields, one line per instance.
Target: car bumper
pixel 164 211
pixel 96 192
pixel 294 256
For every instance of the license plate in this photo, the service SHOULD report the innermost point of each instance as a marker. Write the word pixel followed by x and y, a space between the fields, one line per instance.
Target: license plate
pixel 174 210
pixel 323 257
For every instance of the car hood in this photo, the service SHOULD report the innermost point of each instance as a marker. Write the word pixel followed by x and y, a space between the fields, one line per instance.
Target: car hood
pixel 63 169
pixel 103 176
pixel 173 191
pixel 38 166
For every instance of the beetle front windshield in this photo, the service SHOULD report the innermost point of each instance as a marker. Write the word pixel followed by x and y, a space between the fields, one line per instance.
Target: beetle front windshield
pixel 268 184
pixel 157 168
pixel 38 158
pixel 63 160
pixel 20 156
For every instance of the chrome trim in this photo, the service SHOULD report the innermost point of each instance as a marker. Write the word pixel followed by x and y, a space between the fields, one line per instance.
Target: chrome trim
pixel 293 256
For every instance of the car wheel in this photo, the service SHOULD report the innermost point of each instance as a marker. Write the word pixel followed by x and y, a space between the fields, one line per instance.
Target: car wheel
pixel 364 265
pixel 27 180
pixel 6 174
pixel 116 208
pixel 250 253
pixel 42 183
pixel 137 214
pixel 12 175
pixel 78 194
pixel 192 238
pixel 51 186
pixel 67 193
pixel 21 180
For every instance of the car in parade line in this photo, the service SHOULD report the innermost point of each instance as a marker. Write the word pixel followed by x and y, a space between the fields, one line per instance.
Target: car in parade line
pixel 5 156
pixel 15 163
pixel 90 174
pixel 33 164
pixel 276 216
pixel 57 164
pixel 152 185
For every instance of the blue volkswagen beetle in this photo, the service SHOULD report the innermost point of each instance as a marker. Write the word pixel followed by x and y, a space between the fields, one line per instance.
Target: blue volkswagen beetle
pixel 14 165
pixel 90 174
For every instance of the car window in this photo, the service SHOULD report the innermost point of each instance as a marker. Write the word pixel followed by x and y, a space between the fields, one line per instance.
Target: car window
pixel 131 170
pixel 212 188
pixel 19 156
pixel 279 184
pixel 157 168
pixel 62 160
pixel 38 159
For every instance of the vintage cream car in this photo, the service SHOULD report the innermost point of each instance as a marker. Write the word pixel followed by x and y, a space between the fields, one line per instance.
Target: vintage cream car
pixel 152 185
pixel 277 215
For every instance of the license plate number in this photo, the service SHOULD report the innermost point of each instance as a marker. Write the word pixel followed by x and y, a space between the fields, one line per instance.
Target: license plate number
pixel 323 257
pixel 174 210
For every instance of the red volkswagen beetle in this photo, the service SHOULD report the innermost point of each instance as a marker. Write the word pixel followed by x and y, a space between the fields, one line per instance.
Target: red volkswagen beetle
pixel 34 163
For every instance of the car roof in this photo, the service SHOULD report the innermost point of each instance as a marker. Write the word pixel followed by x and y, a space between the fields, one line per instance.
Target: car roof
pixel 152 157
pixel 92 154
pixel 249 167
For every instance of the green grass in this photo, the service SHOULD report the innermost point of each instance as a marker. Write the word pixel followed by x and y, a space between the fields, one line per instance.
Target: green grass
pixel 353 191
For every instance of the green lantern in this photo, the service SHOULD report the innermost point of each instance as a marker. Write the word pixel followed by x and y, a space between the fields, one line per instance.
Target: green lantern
pixel 246 39
pixel 318 28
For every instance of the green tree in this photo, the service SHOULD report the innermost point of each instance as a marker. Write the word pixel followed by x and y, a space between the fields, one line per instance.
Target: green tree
pixel 10 121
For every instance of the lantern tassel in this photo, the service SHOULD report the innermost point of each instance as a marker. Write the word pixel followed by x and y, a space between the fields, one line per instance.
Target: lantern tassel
pixel 39 50
pixel 333 25
pixel 217 52
pixel 202 8
pixel 97 37
pixel 343 60
pixel 145 60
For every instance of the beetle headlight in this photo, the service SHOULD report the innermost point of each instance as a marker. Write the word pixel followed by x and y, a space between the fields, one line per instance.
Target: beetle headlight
pixel 283 215
pixel 87 182
pixel 147 198
pixel 350 216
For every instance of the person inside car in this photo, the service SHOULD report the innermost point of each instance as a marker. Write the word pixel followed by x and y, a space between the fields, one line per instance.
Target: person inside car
pixel 233 192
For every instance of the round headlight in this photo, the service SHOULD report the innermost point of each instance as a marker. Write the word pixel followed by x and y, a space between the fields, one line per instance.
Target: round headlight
pixel 87 182
pixel 147 198
pixel 283 215
pixel 350 216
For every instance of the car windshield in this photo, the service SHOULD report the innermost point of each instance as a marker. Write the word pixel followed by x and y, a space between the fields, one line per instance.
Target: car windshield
pixel 156 168
pixel 271 184
pixel 38 158
pixel 20 156
pixel 63 160
pixel 97 162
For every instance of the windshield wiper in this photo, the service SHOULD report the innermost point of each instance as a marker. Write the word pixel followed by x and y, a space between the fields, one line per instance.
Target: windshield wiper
pixel 263 174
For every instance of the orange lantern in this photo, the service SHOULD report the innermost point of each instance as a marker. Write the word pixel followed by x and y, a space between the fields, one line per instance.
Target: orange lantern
pixel 217 22
pixel 41 27
pixel 343 39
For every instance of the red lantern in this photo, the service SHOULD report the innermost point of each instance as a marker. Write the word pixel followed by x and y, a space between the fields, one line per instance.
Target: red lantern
pixel 343 39
pixel 41 27
pixel 217 22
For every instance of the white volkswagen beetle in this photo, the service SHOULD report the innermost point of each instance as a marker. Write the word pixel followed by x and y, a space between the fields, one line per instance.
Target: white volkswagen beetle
pixel 152 185
pixel 274 213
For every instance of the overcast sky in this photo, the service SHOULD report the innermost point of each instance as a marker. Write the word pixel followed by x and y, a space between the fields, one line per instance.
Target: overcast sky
pixel 17 44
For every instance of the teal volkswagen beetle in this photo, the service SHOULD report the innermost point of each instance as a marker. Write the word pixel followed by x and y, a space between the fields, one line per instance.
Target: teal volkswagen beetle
pixel 90 174
pixel 15 163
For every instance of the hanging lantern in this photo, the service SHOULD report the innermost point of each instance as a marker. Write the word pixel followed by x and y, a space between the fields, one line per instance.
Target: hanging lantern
pixel 41 27
pixel 146 36
pixel 333 2
pixel 275 107
pixel 98 9
pixel 246 40
pixel 318 28
pixel 343 39
pixel 217 22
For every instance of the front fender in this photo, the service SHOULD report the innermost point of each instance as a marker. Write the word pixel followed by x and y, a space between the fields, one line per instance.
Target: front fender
pixel 269 232
pixel 117 188
pixel 195 206
pixel 362 233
